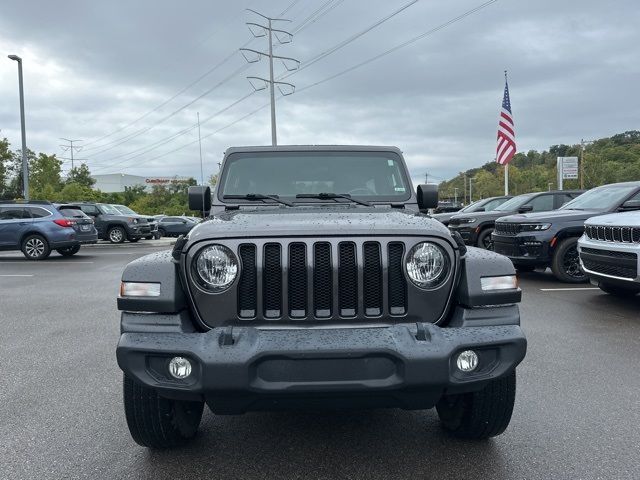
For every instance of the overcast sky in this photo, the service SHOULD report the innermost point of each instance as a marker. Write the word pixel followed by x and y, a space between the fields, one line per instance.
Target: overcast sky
pixel 93 69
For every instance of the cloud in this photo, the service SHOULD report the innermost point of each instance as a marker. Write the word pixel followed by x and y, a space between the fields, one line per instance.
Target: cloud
pixel 94 68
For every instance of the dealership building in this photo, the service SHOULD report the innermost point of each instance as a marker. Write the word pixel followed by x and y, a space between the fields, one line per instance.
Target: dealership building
pixel 116 182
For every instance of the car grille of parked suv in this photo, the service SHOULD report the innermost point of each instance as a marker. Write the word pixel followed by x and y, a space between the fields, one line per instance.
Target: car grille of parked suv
pixel 310 284
pixel 506 228
pixel 613 234
pixel 609 262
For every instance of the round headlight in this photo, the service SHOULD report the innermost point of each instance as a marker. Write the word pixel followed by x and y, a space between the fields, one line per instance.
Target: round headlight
pixel 427 265
pixel 216 268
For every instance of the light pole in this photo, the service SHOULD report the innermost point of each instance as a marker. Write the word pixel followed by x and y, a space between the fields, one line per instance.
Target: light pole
pixel 25 166
pixel 455 193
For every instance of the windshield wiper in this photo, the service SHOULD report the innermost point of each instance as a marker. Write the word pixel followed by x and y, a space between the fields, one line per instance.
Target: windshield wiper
pixel 333 196
pixel 258 196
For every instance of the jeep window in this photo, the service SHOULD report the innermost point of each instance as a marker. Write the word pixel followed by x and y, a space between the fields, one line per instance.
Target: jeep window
pixel 514 204
pixel 542 203
pixel 601 198
pixel 38 212
pixel 13 213
pixel 124 209
pixel 376 176
pixel 90 210
pixel 108 209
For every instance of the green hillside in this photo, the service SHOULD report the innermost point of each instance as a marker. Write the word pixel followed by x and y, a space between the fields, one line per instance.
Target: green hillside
pixel 607 160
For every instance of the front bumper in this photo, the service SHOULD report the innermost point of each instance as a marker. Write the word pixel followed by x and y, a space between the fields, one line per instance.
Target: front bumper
pixel 468 234
pixel 610 262
pixel 524 249
pixel 339 367
pixel 138 231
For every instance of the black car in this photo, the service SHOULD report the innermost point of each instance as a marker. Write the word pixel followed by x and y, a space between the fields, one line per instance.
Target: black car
pixel 114 226
pixel 484 205
pixel 316 283
pixel 540 240
pixel 174 226
pixel 476 228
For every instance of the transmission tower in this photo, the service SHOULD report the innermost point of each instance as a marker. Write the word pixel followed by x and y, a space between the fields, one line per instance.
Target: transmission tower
pixel 282 36
pixel 70 148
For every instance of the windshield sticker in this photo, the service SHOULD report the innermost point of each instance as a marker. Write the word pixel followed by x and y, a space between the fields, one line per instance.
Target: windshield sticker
pixel 399 189
pixel 390 163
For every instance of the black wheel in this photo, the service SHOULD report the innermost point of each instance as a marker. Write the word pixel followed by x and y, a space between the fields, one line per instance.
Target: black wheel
pixel 156 235
pixel 524 268
pixel 35 247
pixel 158 422
pixel 484 239
pixel 480 414
pixel 619 290
pixel 133 240
pixel 161 233
pixel 149 237
pixel 69 251
pixel 116 235
pixel 566 262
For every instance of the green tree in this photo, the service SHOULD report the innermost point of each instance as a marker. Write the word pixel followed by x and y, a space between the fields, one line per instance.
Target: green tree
pixel 5 159
pixel 81 175
pixel 44 171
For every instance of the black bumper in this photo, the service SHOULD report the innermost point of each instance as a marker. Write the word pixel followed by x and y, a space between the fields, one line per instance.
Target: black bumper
pixel 358 367
pixel 523 249
pixel 468 234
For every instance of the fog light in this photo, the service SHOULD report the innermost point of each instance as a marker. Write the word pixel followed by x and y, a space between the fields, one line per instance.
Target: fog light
pixel 467 361
pixel 180 368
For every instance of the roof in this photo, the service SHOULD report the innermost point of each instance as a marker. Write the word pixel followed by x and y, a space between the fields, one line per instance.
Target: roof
pixel 315 148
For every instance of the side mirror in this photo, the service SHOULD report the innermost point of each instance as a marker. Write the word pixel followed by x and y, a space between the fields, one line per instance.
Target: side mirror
pixel 427 196
pixel 200 199
pixel 480 209
pixel 525 208
pixel 630 205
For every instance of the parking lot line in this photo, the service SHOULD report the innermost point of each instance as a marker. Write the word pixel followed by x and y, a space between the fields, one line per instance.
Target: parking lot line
pixel 11 275
pixel 567 289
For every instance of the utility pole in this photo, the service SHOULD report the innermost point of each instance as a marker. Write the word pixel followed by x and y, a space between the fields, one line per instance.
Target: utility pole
pixel 70 148
pixel 25 164
pixel 270 32
pixel 426 178
pixel 470 190
pixel 583 142
pixel 455 193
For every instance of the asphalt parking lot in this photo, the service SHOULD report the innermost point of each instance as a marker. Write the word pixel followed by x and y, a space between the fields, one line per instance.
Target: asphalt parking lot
pixel 577 411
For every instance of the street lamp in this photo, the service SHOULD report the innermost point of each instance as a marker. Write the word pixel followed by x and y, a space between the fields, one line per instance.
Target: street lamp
pixel 25 167
pixel 455 193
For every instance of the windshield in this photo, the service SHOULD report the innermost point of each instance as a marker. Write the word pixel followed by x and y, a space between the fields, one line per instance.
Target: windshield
pixel 109 209
pixel 366 175
pixel 514 204
pixel 601 198
pixel 124 209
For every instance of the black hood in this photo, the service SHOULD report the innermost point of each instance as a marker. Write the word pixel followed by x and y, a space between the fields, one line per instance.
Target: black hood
pixel 483 216
pixel 317 221
pixel 553 215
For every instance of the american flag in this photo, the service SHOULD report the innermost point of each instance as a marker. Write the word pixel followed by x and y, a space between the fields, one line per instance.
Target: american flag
pixel 506 148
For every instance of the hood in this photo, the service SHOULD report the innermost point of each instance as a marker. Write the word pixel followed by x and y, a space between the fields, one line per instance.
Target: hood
pixel 551 216
pixel 317 221
pixel 626 219
pixel 481 216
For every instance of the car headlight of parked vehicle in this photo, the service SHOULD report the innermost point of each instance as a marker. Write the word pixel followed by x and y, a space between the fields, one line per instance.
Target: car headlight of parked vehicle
pixel 215 268
pixel 467 220
pixel 427 265
pixel 535 227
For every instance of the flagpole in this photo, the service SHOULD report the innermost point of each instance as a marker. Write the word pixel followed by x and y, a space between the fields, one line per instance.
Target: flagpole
pixel 506 179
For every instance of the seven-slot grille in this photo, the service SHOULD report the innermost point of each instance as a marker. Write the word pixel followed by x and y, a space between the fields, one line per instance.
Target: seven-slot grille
pixel 506 228
pixel 607 233
pixel 322 280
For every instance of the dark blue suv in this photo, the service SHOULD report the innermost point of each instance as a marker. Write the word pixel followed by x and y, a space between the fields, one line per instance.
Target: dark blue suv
pixel 38 227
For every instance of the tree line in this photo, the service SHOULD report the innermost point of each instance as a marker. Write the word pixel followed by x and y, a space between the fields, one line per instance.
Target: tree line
pixel 46 182
pixel 606 160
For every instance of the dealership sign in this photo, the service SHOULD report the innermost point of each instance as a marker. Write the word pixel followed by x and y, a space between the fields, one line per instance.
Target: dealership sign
pixel 567 169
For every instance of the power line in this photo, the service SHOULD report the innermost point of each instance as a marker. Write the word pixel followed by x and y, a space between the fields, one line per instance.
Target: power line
pixel 70 148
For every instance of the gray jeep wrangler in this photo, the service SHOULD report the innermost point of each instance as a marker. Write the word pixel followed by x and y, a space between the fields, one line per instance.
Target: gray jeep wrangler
pixel 316 282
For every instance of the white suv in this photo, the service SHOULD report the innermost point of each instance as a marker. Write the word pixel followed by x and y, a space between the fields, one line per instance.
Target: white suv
pixel 610 252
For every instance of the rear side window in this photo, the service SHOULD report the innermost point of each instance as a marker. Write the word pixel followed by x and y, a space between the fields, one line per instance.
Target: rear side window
pixel 38 212
pixel 13 213
pixel 542 203
pixel 90 209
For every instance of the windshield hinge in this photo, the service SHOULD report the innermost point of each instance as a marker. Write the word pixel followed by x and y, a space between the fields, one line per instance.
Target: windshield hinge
pixel 397 205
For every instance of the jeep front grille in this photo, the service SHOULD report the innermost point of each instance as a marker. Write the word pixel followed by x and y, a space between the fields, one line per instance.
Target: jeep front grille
pixel 507 228
pixel 321 280
pixel 606 233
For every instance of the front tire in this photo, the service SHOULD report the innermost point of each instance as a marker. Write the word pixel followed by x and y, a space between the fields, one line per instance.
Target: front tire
pixel 133 240
pixel 479 415
pixel 35 247
pixel 116 235
pixel 619 291
pixel 524 268
pixel 566 263
pixel 69 251
pixel 484 239
pixel 157 422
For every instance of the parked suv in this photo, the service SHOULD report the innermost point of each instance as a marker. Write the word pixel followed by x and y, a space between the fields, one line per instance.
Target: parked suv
pixel 610 252
pixel 38 227
pixel 484 205
pixel 476 228
pixel 175 226
pixel 550 239
pixel 315 282
pixel 112 225
pixel 153 224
